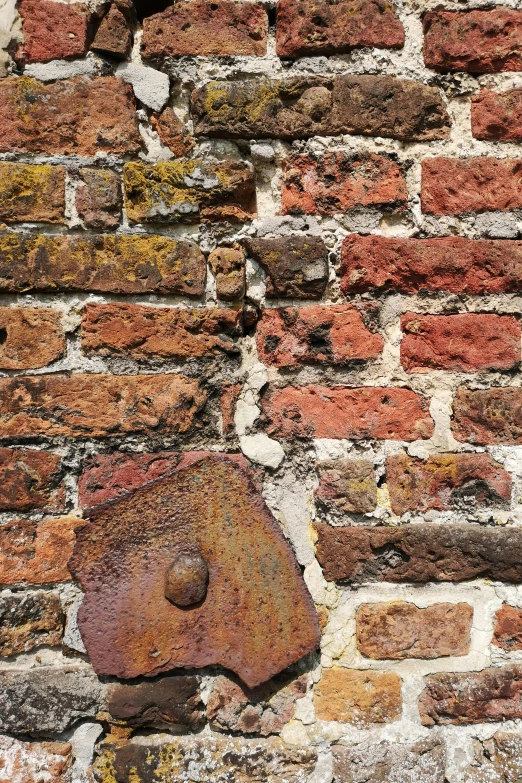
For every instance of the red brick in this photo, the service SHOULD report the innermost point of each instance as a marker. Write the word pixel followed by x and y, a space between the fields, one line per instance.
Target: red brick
pixel 164 332
pixel 53 31
pixel 37 552
pixel 311 27
pixel 454 264
pixel 478 41
pixel 228 267
pixel 451 186
pixel 172 132
pixel 342 412
pixel 34 194
pixel 489 416
pixel 446 481
pixel 30 337
pixel 30 479
pixel 201 28
pixel 229 396
pixel 78 116
pixel 335 334
pixel 114 35
pixel 497 116
pixel 98 406
pixel 347 485
pixel 99 198
pixel 336 182
pixel 507 632
pixel 399 630
pixel 462 343
pixel 358 697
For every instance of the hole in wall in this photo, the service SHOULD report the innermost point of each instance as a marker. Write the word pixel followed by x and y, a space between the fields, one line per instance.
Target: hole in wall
pixel 3 336
pixel 146 8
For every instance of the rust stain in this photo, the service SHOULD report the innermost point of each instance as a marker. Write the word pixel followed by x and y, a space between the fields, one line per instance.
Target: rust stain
pixel 257 617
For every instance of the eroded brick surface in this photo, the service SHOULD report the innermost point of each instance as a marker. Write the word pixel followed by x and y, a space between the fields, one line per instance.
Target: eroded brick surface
pixel 358 697
pixel 228 267
pixel 32 194
pixel 167 703
pixel 497 116
pixel 30 479
pixel 53 31
pixel 33 762
pixel 295 268
pixel 37 552
pixel 99 198
pixel 29 620
pixel 488 416
pixel 424 761
pixel 347 485
pixel 508 628
pixel 172 132
pixel 30 337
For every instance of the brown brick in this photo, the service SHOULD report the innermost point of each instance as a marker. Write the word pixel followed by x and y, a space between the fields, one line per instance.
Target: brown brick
pixel 497 116
pixel 99 198
pixel 451 186
pixel 114 35
pixel 343 412
pixel 337 181
pixel 358 697
pixel 204 29
pixel 28 620
pixel 30 479
pixel 311 27
pixel 107 263
pixel 159 332
pixel 455 264
pixel 490 695
pixel 398 630
pixel 167 703
pixel 172 132
pixel 508 628
pixel 98 406
pixel 423 762
pixel 420 553
pixel 188 191
pixel 227 402
pixel 37 552
pixel 34 194
pixel 488 416
pixel 329 334
pixel 228 267
pixel 296 267
pixel 347 485
pixel 26 760
pixel 53 31
pixel 313 106
pixel 478 41
pixel 78 116
pixel 30 337
pixel 446 481
pixel 461 343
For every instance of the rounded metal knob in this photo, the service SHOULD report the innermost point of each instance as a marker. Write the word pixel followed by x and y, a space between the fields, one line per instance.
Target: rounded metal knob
pixel 187 580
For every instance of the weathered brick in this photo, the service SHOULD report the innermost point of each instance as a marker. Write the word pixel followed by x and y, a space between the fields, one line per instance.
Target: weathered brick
pixel 330 334
pixel 78 116
pixel 472 697
pixel 228 267
pixel 455 264
pixel 478 41
pixel 468 342
pixel 314 106
pixel 495 760
pixel 29 620
pixel 497 116
pixel 342 412
pixel 446 481
pixel 53 31
pixel 347 485
pixel 423 762
pixel 164 332
pixel 451 186
pixel 398 630
pixel 30 479
pixel 337 181
pixel 358 697
pixel 172 132
pixel 37 552
pixel 296 267
pixel 99 198
pixel 420 553
pixel 488 416
pixel 311 27
pixel 33 194
pixel 189 190
pixel 167 703
pixel 107 263
pixel 114 35
pixel 30 337
pixel 227 402
pixel 98 406
pixel 507 632
pixel 201 28
pixel 25 762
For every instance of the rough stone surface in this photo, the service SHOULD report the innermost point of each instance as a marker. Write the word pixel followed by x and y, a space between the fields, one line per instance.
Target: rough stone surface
pixel 53 31
pixel 172 132
pixel 37 552
pixel 342 412
pixel 335 334
pixel 200 28
pixel 478 41
pixel 358 697
pixel 420 553
pixel 98 406
pixel 77 116
pixel 446 481
pixel 337 181
pixel 312 27
pixel 295 267
pixel 421 762
pixel 114 35
pixel 99 198
pixel 398 630
pixel 30 479
pixel 166 703
pixel 150 86
pixel 496 760
pixel 453 264
pixel 30 337
pixel 34 762
pixel 228 267
pixel 488 416
pixel 34 194
pixel 347 485
pixel 29 620
pixel 497 116
pixel 508 628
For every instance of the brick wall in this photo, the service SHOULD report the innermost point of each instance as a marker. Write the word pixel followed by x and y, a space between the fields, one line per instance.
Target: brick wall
pixel 290 233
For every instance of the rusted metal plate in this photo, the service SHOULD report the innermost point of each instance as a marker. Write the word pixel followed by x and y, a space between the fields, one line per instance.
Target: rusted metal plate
pixel 257 616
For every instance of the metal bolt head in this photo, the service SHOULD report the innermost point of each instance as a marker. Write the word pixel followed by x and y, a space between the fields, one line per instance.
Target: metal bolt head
pixel 187 580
